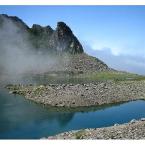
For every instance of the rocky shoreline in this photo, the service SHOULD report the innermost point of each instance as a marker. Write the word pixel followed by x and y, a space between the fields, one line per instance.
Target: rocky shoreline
pixel 79 95
pixel 132 130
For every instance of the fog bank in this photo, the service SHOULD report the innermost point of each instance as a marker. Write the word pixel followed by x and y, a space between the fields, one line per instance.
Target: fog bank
pixel 17 55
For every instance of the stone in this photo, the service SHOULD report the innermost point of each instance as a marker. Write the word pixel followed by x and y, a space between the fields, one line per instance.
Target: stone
pixel 142 119
pixel 73 102
pixel 10 92
pixel 41 86
pixel 116 124
pixel 132 121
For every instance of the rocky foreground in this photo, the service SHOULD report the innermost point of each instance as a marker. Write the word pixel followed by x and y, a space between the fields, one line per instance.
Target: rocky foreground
pixel 132 130
pixel 86 94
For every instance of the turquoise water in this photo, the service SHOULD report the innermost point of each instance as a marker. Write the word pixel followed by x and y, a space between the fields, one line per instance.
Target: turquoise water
pixel 22 119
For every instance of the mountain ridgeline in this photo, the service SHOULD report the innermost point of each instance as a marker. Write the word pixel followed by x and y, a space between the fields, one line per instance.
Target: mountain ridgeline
pixel 45 38
pixel 19 43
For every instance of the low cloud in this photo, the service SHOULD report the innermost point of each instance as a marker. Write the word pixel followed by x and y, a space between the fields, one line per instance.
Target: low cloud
pixel 123 62
pixel 17 55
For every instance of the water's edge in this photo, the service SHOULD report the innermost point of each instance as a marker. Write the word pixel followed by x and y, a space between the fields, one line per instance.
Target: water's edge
pixel 24 119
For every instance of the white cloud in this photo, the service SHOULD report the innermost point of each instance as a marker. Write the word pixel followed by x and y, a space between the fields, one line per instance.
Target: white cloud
pixel 96 45
pixel 117 48
pixel 114 58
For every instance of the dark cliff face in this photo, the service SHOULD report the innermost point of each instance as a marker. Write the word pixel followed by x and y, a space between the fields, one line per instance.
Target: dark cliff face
pixel 40 36
pixel 45 38
pixel 63 40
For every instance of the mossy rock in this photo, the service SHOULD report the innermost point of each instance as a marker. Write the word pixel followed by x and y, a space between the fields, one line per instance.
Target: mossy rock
pixel 80 134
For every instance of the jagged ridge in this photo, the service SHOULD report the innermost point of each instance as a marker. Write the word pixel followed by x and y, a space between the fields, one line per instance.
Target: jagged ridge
pixel 58 41
pixel 45 38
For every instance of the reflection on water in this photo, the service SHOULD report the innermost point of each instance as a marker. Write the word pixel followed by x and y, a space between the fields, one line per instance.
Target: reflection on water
pixel 19 115
pixel 20 118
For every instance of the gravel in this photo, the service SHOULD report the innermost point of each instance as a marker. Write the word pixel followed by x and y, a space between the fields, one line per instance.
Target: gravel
pixel 78 95
pixel 131 130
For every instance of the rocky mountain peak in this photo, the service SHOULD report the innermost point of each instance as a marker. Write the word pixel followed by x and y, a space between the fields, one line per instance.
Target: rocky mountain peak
pixel 45 38
pixel 38 29
pixel 17 21
pixel 15 35
pixel 65 40
pixel 63 29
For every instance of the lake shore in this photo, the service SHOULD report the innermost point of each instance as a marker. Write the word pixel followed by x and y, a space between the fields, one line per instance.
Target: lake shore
pixel 132 130
pixel 85 94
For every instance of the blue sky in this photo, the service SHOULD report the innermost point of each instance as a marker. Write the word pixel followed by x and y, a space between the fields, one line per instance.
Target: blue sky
pixel 115 34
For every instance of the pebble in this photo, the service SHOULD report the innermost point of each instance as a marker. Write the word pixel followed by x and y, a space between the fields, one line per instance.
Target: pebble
pixel 116 124
pixel 142 119
pixel 125 131
pixel 132 121
pixel 75 93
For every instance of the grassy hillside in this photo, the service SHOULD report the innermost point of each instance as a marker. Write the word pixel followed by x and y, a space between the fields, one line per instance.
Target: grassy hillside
pixel 112 75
